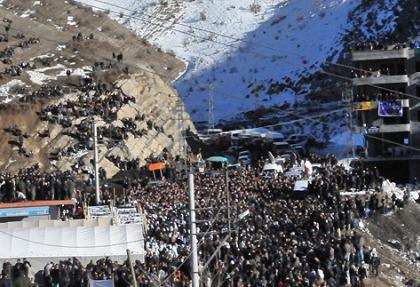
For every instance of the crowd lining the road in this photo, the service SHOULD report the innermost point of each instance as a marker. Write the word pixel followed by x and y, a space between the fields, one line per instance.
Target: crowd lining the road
pixel 284 241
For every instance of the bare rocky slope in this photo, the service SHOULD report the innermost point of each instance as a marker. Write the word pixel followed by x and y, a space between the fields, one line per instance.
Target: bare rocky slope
pixel 59 59
pixel 396 237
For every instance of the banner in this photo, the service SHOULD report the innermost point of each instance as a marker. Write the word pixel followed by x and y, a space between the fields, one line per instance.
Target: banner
pixel 98 211
pixel 101 283
pixel 24 211
pixel 364 106
pixel 390 109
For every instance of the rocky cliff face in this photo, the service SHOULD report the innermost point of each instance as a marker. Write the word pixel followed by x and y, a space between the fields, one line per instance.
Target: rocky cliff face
pixel 147 125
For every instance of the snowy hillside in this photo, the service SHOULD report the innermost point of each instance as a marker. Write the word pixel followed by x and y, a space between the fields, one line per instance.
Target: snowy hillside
pixel 250 53
pixel 280 42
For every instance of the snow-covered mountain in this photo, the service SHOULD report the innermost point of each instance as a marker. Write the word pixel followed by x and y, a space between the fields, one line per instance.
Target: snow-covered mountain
pixel 249 53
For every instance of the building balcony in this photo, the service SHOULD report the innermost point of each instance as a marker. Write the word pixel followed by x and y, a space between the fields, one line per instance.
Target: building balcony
pixel 399 128
pixel 415 79
pixel 392 157
pixel 378 127
pixel 380 55
pixel 381 80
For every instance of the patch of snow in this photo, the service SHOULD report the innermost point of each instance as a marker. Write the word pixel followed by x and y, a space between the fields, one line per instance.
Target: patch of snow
pixel 71 21
pixel 5 96
pixel 27 13
pixel 60 47
pixel 45 56
pixel 58 27
pixel 56 67
pixel 391 188
pixel 83 72
pixel 39 77
pixel 36 3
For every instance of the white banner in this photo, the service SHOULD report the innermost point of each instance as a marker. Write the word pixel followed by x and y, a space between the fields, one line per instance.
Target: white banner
pixel 101 283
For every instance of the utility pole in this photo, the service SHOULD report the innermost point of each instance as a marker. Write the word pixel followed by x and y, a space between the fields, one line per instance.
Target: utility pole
pixel 133 274
pixel 347 98
pixel 210 108
pixel 195 275
pixel 228 199
pixel 95 159
pixel 180 117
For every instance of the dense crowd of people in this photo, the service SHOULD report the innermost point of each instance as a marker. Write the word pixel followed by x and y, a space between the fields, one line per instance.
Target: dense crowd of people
pixel 382 45
pixel 379 96
pixel 265 236
pixel 284 240
pixel 383 71
pixel 33 184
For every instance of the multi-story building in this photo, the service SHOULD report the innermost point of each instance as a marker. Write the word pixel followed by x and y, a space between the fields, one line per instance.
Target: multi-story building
pixel 386 97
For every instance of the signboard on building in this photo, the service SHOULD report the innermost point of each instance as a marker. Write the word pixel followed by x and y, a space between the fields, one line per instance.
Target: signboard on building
pixel 24 211
pixel 364 106
pixel 390 109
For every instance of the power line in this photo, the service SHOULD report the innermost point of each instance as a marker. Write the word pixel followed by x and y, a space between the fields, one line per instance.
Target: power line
pixel 221 35
pixel 206 39
pixel 225 44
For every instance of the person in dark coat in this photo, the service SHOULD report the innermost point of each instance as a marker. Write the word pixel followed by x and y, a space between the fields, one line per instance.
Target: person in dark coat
pixel 22 280
pixel 5 280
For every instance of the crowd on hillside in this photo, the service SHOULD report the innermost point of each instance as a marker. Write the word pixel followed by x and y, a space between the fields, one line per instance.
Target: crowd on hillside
pixel 97 100
pixel 283 241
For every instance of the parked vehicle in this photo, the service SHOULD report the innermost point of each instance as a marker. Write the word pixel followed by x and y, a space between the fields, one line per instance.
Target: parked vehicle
pixel 298 139
pixel 298 148
pixel 272 170
pixel 281 148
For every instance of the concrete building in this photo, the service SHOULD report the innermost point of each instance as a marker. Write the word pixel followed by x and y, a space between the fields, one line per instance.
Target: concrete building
pixel 387 102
